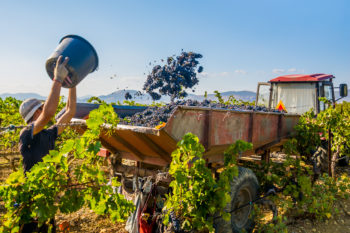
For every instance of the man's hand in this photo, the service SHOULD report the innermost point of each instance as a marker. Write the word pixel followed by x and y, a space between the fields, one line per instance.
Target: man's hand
pixel 61 72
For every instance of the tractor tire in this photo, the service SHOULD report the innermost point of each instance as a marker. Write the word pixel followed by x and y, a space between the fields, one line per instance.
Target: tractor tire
pixel 244 189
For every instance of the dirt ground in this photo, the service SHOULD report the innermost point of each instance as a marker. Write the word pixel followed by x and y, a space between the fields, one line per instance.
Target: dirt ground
pixel 85 220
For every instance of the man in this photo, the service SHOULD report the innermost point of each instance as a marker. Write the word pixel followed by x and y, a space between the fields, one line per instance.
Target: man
pixel 35 141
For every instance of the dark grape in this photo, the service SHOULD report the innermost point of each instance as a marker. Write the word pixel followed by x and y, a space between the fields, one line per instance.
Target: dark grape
pixel 174 77
pixel 152 116
pixel 128 96
pixel 200 69
pixel 175 221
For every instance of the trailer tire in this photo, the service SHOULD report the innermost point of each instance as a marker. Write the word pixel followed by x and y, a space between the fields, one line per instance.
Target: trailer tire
pixel 244 189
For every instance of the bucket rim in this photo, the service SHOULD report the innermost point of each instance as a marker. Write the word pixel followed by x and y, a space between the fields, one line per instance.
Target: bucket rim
pixel 87 42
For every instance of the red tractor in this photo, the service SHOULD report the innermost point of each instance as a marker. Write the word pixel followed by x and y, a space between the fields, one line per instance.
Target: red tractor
pixel 299 93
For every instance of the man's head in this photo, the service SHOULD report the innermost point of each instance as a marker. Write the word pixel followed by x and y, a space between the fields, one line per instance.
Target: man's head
pixel 30 109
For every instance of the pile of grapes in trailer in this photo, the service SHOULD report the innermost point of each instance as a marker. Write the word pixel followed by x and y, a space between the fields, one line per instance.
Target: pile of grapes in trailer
pixel 172 79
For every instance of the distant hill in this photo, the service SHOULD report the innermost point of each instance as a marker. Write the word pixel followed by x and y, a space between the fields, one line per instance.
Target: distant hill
pixel 120 96
pixel 242 95
pixel 22 96
pixel 146 99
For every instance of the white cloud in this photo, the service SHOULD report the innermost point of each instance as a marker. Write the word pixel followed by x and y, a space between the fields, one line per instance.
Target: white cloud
pixel 97 85
pixel 278 71
pixel 224 73
pixel 240 72
pixel 292 70
pixel 203 74
pixel 212 75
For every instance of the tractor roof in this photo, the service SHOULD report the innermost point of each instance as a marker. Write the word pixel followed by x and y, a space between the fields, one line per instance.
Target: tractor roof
pixel 302 78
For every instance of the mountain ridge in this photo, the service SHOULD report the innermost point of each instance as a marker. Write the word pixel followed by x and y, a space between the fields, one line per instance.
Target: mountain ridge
pixel 145 98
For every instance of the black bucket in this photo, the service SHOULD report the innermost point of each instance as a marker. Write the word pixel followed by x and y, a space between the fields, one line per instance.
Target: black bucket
pixel 83 58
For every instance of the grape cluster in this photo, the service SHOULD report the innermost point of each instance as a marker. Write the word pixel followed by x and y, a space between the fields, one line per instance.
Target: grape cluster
pixel 175 221
pixel 154 115
pixel 138 93
pixel 127 96
pixel 174 77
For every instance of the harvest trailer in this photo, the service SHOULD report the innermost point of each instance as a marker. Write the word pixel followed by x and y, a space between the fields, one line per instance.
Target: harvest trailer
pixel 219 128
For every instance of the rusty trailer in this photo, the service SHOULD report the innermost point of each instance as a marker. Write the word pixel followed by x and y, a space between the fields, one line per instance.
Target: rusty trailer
pixel 215 128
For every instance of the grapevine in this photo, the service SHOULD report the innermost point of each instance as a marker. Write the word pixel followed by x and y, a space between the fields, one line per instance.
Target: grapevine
pixel 196 195
pixel 9 115
pixel 51 185
pixel 73 171
pixel 299 196
pixel 335 121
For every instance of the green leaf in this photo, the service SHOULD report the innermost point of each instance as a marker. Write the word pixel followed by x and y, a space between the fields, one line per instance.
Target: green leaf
pixel 67 146
pixel 53 157
pixel 15 229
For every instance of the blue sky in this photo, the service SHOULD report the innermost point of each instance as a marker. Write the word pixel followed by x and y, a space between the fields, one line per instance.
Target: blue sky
pixel 242 42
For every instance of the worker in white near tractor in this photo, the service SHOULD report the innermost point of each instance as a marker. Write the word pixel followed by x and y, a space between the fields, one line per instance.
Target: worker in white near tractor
pixel 36 141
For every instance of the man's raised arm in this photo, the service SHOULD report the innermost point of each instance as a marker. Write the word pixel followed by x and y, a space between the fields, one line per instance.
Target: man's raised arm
pixel 50 106
pixel 70 109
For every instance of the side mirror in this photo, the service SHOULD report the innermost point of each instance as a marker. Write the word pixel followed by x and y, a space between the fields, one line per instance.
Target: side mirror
pixel 343 90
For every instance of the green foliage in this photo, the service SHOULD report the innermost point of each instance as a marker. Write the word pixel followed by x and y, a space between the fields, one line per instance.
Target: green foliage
pixel 59 183
pixel 132 103
pixel 95 100
pixel 337 120
pixel 219 97
pixel 301 196
pixel 196 195
pixel 310 128
pixel 9 115
pixel 308 133
pixel 231 100
pixel 55 184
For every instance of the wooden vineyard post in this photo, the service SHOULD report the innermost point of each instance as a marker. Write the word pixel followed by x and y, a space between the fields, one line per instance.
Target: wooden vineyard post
pixel 329 153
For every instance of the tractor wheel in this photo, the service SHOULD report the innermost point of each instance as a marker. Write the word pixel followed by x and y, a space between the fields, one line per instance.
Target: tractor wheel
pixel 244 189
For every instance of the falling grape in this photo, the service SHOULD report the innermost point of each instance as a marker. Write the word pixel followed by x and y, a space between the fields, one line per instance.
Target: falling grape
pixel 128 96
pixel 200 69
pixel 174 77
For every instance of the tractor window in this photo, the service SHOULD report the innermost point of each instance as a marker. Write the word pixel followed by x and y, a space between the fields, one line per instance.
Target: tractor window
pixel 263 95
pixel 296 97
pixel 327 92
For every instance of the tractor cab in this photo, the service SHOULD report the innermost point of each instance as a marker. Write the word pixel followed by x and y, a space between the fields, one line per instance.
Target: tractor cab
pixel 297 93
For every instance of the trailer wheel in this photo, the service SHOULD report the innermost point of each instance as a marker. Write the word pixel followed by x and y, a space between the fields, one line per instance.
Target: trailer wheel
pixel 244 189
